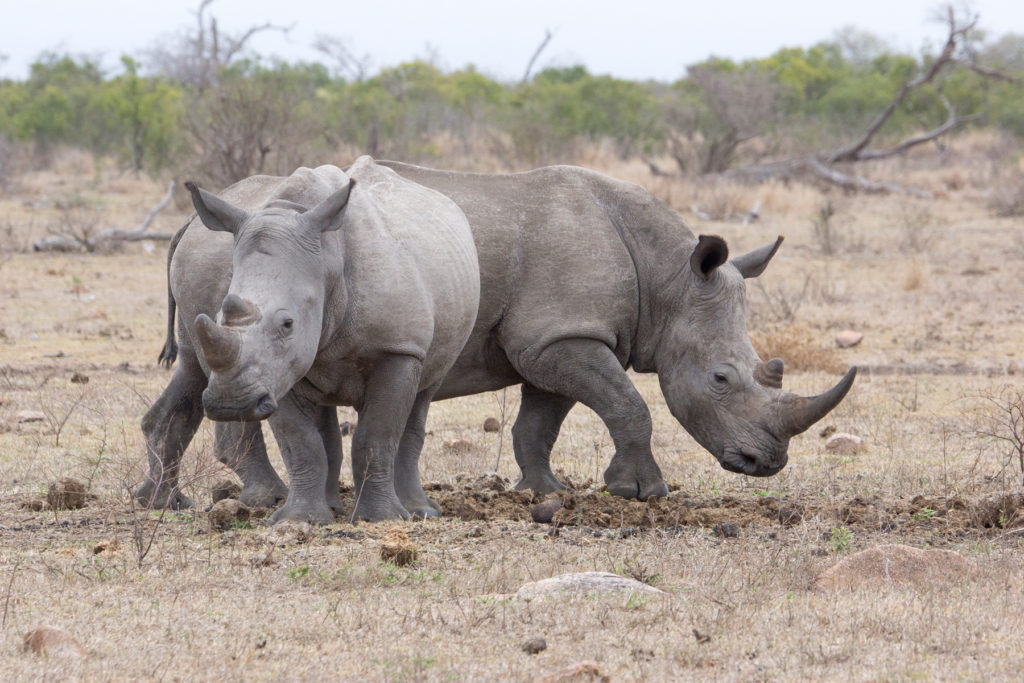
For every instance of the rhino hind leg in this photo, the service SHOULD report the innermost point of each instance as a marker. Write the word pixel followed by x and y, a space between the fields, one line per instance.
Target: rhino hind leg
pixel 330 434
pixel 407 473
pixel 168 427
pixel 587 371
pixel 391 391
pixel 240 446
pixel 534 433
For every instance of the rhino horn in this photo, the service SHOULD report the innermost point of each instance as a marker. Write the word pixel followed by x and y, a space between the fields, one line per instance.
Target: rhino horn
pixel 769 373
pixel 239 312
pixel 799 413
pixel 220 347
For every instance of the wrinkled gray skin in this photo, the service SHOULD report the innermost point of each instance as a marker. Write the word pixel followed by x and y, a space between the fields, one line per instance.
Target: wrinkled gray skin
pixel 583 276
pixel 340 294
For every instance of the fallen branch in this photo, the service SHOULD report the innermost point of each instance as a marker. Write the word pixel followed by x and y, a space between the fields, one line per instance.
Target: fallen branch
pixel 73 241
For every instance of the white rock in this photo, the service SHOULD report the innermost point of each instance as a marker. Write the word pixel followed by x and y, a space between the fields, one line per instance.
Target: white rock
pixel 582 584
pixel 844 444
pixel 848 338
pixel 29 416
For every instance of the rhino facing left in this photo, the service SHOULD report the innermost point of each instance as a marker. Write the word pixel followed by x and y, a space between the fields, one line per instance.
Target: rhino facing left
pixel 355 288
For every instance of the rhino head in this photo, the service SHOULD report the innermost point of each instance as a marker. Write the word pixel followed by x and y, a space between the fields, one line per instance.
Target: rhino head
pixel 714 383
pixel 271 320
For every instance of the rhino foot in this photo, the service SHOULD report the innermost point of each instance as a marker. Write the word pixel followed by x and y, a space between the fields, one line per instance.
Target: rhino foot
pixel 379 511
pixel 263 496
pixel 541 485
pixel 422 509
pixel 632 487
pixel 319 514
pixel 163 497
pixel 334 502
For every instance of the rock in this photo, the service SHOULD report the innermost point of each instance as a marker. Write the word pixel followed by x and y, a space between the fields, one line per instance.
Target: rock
pixel 287 533
pixel 580 672
pixel 726 530
pixel 489 481
pixel 52 642
pixel 223 489
pixel 347 428
pixel 227 514
pixel 492 424
pixel 25 416
pixel 66 494
pixel 848 338
pixel 543 511
pixel 79 378
pixel 844 443
pixel 459 446
pixel 583 583
pixel 535 645
pixel 894 564
pixel 397 548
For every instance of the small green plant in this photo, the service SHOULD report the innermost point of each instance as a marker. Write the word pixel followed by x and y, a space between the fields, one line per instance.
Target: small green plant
pixel 298 573
pixel 840 538
pixel 636 601
pixel 925 513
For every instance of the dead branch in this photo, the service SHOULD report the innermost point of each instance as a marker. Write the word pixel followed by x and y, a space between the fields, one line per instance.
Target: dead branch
pixel 548 34
pixel 77 240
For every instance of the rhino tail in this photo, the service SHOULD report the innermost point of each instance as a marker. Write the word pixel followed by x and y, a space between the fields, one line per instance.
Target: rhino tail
pixel 169 353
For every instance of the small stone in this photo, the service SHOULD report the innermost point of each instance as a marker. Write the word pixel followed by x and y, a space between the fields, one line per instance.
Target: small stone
pixel 79 378
pixel 543 511
pixel 848 338
pixel 726 530
pixel 535 645
pixel 492 424
pixel 288 532
pixel 223 489
pixel 397 548
pixel 347 428
pixel 459 446
pixel 844 444
pixel 66 494
pixel 893 564
pixel 227 514
pixel 48 641
pixel 25 416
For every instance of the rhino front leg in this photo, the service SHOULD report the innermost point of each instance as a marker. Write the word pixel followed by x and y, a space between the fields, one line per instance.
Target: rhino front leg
pixel 330 434
pixel 296 427
pixel 168 428
pixel 534 433
pixel 240 446
pixel 407 472
pixel 387 404
pixel 587 371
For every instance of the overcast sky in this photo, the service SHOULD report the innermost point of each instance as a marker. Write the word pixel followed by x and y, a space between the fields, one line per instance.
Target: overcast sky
pixel 635 39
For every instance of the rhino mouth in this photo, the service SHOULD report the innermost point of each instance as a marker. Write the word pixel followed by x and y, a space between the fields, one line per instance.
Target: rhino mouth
pixel 742 461
pixel 260 406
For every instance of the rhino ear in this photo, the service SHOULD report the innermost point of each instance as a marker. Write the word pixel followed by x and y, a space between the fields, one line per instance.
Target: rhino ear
pixel 753 263
pixel 214 212
pixel 710 252
pixel 328 214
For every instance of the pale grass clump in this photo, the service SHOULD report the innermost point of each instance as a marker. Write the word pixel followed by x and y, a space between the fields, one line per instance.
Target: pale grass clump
pixel 800 349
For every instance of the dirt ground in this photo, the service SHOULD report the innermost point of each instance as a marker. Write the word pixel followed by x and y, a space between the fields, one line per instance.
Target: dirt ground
pixel 933 284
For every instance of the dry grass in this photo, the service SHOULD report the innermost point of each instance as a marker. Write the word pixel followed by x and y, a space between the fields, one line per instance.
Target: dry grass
pixel 254 604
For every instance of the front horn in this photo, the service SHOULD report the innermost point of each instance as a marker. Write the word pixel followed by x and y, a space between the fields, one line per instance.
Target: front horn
pixel 799 413
pixel 220 347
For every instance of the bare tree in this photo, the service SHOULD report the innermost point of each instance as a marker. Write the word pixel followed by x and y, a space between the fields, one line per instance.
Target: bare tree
pixel 548 35
pixel 346 63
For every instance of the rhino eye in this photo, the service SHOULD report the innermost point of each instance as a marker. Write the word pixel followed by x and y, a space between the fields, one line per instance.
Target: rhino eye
pixel 721 379
pixel 287 324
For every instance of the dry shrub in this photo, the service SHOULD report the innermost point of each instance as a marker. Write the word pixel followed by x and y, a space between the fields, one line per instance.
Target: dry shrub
pixel 799 349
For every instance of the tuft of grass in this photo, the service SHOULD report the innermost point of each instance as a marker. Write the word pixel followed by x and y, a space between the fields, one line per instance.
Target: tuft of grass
pixel 798 348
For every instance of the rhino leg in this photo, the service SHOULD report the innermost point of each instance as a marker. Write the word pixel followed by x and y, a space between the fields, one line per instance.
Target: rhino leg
pixel 168 428
pixel 407 473
pixel 296 427
pixel 387 404
pixel 330 434
pixel 240 446
pixel 540 418
pixel 587 371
